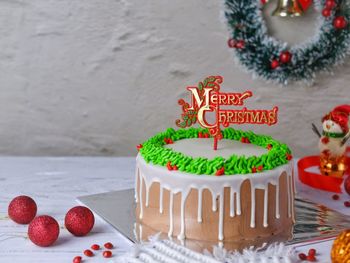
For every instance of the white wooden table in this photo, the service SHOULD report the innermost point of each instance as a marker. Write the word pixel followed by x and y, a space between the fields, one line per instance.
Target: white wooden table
pixel 55 183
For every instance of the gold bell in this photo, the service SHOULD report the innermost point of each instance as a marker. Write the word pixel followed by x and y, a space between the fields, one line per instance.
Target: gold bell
pixel 289 8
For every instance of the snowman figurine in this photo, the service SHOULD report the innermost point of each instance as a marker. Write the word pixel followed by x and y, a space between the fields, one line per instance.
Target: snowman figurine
pixel 332 143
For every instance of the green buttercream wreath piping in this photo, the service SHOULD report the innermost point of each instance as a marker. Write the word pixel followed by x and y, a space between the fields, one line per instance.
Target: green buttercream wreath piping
pixel 153 151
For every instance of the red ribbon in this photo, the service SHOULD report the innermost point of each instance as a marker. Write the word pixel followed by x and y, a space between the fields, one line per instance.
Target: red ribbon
pixel 316 180
pixel 305 4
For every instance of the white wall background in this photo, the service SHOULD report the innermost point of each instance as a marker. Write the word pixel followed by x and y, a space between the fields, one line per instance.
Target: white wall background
pixel 97 77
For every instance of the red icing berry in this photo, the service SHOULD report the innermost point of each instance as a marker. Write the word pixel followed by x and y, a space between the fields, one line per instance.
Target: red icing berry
pixel 253 169
pixel 77 259
pixel 312 252
pixel 330 4
pixel 285 57
pixel 107 254
pixel 88 253
pixel 269 146
pixel 289 156
pixel 263 2
pixel 260 168
pixel 95 247
pixel 302 256
pixel 221 171
pixel 275 64
pixel 340 22
pixel 206 135
pixel 326 12
pixel 175 167
pixel 200 135
pixel 168 165
pixel 138 147
pixel 325 140
pixel 335 197
pixel 170 141
pixel 347 204
pixel 108 245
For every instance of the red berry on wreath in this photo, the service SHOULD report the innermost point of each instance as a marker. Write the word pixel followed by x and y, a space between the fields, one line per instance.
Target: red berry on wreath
pixel 340 22
pixel 347 185
pixel 285 57
pixel 79 220
pixel 240 44
pixel 43 231
pixel 326 12
pixel 275 64
pixel 22 209
pixel 231 43
pixel 330 4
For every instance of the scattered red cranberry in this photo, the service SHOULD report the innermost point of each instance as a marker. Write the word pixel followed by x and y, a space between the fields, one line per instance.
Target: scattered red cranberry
pixel 95 247
pixel 311 258
pixel 335 197
pixel 347 203
pixel 302 256
pixel 88 253
pixel 107 254
pixel 108 245
pixel 312 252
pixel 77 259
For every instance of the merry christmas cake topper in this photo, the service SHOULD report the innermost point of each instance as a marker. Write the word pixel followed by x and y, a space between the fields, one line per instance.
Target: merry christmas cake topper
pixel 206 98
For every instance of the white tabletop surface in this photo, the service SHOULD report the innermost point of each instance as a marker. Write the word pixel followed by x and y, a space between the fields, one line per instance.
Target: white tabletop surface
pixel 55 183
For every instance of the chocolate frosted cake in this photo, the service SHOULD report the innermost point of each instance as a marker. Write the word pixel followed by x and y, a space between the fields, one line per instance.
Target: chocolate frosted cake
pixel 243 190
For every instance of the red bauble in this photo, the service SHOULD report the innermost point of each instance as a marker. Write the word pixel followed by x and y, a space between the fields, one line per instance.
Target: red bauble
pixel 285 57
pixel 330 4
pixel 43 231
pixel 340 22
pixel 79 220
pixel 326 12
pixel 347 184
pixel 22 209
pixel 275 64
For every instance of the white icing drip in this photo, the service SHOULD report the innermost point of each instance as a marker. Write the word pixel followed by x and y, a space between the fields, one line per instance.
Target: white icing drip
pixel 161 199
pixel 147 195
pixel 278 215
pixel 179 182
pixel 266 196
pixel 221 216
pixel 289 197
pixel 171 219
pixel 213 201
pixel 181 236
pixel 232 205
pixel 252 207
pixel 238 201
pixel 136 179
pixel 141 203
pixel 199 213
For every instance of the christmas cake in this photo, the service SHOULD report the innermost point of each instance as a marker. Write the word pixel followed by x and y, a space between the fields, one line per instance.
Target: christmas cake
pixel 243 190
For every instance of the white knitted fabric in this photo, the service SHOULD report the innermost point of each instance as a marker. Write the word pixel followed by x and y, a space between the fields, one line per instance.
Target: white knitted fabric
pixel 166 251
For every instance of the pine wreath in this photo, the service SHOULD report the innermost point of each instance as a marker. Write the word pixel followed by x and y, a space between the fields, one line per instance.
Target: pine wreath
pixel 270 59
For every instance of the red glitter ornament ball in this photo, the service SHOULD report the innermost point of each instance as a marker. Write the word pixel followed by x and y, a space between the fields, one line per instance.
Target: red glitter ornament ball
pixel 43 231
pixel 285 57
pixel 22 209
pixel 326 12
pixel 79 220
pixel 340 22
pixel 347 184
pixel 275 64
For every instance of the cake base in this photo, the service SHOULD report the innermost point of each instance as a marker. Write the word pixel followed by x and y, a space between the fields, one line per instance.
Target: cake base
pixel 314 222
